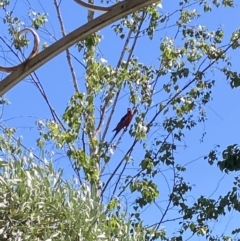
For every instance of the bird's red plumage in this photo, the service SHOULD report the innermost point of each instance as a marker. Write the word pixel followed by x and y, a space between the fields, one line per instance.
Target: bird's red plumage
pixel 125 121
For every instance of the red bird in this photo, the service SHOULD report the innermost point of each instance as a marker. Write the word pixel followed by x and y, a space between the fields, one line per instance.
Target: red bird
pixel 124 122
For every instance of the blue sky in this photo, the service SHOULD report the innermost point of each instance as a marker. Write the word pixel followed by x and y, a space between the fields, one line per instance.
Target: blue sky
pixel 27 105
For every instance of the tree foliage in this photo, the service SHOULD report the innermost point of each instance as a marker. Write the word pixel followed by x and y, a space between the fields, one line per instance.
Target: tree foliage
pixel 115 182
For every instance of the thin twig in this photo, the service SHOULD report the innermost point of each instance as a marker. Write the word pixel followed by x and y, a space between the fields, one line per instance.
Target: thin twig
pixel 38 85
pixel 118 166
pixel 75 84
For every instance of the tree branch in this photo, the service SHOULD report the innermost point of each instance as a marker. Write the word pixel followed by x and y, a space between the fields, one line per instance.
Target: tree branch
pixel 75 84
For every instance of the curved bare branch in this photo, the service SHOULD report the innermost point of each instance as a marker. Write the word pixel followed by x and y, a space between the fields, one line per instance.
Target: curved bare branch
pixel 33 53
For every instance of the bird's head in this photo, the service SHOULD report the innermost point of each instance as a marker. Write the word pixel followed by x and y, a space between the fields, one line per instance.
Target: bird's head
pixel 129 110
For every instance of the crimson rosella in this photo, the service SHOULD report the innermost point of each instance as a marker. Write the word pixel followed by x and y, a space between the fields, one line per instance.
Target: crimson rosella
pixel 124 122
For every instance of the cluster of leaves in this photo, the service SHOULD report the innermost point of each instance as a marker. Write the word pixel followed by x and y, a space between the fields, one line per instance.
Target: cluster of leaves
pixel 206 209
pixel 231 159
pixel 37 204
pixel 15 24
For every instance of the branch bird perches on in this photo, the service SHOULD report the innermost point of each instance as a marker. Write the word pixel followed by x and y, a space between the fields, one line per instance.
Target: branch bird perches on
pixel 123 123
